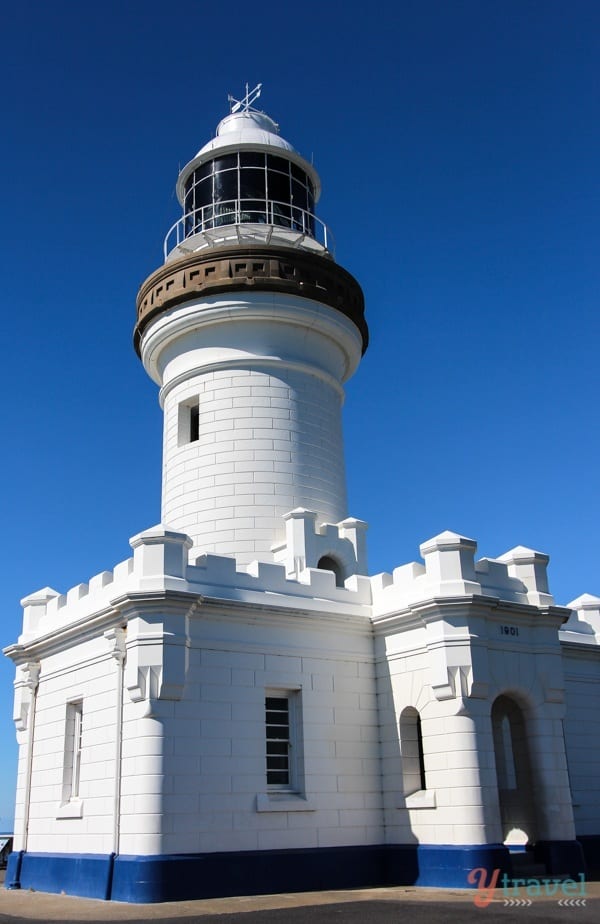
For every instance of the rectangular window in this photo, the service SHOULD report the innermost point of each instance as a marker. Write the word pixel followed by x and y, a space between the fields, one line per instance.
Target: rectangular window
pixel 283 740
pixel 73 741
pixel 188 424
pixel 279 744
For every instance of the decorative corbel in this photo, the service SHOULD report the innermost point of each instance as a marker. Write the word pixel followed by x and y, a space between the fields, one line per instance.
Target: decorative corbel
pixel 117 637
pixel 26 684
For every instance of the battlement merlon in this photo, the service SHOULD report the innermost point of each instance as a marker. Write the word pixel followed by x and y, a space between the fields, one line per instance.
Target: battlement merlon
pixel 449 570
pixel 161 564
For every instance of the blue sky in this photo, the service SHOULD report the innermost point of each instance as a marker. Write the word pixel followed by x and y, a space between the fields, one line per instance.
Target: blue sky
pixel 458 145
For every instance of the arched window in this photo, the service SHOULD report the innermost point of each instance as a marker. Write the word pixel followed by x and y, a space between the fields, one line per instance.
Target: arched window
pixel 516 789
pixel 411 749
pixel 510 744
pixel 327 563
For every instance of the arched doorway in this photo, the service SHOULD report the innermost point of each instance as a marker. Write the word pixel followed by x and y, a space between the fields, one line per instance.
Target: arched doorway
pixel 513 771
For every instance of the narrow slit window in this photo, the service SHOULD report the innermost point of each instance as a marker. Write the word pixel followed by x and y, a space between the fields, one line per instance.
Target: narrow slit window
pixel 194 423
pixel 73 751
pixel 188 423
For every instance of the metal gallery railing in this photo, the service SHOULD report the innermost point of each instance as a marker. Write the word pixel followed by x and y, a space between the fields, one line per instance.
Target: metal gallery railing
pixel 273 215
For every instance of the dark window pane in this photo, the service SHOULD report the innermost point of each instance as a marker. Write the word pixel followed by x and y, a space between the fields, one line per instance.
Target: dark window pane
pixel 252 184
pixel 203 193
pixel 225 162
pixel 276 748
pixel 225 186
pixel 278 776
pixel 298 194
pixel 225 214
pixel 298 173
pixel 194 423
pixel 201 172
pixel 253 210
pixel 280 215
pixel 278 763
pixel 252 159
pixel 278 187
pixel 299 222
pixel 278 163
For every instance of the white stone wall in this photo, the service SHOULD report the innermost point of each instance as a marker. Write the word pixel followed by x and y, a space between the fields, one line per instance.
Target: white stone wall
pixel 267 372
pixel 204 641
pixel 453 635
pixel 270 441
pixel 216 794
pixel 460 802
pixel 87 672
pixel 203 644
pixel 582 733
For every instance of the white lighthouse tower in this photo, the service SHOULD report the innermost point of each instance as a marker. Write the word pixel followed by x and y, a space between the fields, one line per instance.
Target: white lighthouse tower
pixel 250 329
pixel 237 707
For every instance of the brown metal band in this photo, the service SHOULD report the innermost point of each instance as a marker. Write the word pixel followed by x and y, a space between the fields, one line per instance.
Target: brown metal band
pixel 245 268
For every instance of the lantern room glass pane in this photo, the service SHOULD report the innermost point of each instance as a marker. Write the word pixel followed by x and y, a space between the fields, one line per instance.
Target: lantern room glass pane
pixel 278 163
pixel 298 173
pixel 298 194
pixel 226 185
pixel 201 172
pixel 203 193
pixel 251 187
pixel 252 159
pixel 252 183
pixel 278 186
pixel 225 162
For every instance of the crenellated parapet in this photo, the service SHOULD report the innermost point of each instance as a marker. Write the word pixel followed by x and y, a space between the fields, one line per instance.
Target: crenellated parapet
pixel 467 619
pixel 342 544
pixel 323 566
pixel 583 625
pixel 449 569
pixel 161 565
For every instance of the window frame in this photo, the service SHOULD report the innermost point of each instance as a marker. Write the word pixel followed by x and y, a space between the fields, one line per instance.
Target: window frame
pixel 414 777
pixel 188 422
pixel 293 740
pixel 73 752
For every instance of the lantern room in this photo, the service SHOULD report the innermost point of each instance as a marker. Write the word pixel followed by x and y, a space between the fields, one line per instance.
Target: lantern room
pixel 248 184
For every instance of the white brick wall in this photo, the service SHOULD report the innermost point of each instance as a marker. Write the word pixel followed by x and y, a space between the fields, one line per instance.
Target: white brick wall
pixel 199 662
pixel 267 372
pixel 229 489
pixel 86 672
pixel 582 734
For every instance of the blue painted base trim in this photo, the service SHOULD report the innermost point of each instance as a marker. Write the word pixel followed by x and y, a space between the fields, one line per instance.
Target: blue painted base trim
pixel 214 875
pixel 590 844
pixel 85 875
pixel 447 866
pixel 188 876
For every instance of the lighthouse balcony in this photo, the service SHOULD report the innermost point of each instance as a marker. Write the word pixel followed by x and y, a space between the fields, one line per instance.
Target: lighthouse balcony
pixel 248 221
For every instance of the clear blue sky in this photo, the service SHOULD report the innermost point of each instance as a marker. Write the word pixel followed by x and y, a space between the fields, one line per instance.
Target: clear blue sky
pixel 458 144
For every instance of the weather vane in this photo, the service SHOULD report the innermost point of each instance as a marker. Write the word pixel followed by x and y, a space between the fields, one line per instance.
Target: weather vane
pixel 243 105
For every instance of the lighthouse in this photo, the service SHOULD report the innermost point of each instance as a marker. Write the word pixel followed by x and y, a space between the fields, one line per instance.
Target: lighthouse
pixel 250 329
pixel 237 707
